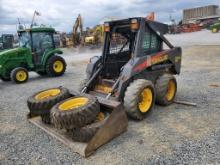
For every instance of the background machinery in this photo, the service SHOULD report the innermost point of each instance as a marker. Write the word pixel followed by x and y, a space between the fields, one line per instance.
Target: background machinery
pixel 6 41
pixel 77 36
pixel 133 72
pixel 95 36
pixel 151 16
pixel 36 52
pixel 215 27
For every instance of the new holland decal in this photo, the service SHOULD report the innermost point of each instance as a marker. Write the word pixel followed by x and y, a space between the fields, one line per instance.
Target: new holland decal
pixel 158 58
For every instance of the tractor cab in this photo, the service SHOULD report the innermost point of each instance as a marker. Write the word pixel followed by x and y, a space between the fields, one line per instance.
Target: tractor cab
pixel 38 40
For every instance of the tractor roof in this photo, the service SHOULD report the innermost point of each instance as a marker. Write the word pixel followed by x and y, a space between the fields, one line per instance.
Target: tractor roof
pixel 156 26
pixel 38 29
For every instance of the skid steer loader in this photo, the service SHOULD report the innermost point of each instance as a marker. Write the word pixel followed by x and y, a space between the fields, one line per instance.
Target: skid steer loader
pixel 133 72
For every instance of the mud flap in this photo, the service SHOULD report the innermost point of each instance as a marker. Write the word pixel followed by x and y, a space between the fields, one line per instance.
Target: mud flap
pixel 115 125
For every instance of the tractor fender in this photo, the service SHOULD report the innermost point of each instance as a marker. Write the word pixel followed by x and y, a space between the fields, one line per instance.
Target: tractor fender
pixel 49 54
pixel 13 58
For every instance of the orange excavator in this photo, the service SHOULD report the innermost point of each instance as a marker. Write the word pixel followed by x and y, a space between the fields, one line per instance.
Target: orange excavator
pixel 77 36
pixel 151 16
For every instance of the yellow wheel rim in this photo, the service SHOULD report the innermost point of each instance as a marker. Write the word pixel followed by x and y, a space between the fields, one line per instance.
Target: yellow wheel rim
pixel 21 76
pixel 58 66
pixel 146 100
pixel 48 93
pixel 171 89
pixel 214 30
pixel 73 103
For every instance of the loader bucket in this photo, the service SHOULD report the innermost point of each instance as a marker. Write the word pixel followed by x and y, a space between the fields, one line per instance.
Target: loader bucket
pixel 115 124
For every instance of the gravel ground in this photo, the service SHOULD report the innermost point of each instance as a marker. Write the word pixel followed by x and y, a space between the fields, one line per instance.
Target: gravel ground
pixel 176 134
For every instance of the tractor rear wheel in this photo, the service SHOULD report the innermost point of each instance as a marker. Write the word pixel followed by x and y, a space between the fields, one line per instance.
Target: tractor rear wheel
pixel 19 75
pixel 215 30
pixel 166 87
pixel 139 98
pixel 55 66
pixel 41 102
pixel 86 133
pixel 75 112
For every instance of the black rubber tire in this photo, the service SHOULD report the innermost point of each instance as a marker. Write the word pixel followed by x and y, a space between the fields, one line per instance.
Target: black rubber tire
pixel 46 118
pixel 161 88
pixel 86 133
pixel 42 73
pixel 132 98
pixel 15 71
pixel 75 117
pixel 42 107
pixel 49 66
pixel 217 30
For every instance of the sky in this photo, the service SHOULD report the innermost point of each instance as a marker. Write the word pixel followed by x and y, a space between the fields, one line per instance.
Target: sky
pixel 61 14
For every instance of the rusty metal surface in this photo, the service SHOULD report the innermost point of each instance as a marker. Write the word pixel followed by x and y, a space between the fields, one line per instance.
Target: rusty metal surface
pixel 59 135
pixel 108 103
pixel 115 125
pixel 101 95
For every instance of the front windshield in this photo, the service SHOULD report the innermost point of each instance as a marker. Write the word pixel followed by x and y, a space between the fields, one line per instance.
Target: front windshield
pixel 120 40
pixel 118 43
pixel 24 39
pixel 42 41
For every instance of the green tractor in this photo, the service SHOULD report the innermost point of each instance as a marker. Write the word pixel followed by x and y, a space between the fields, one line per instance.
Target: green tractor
pixel 215 27
pixel 36 52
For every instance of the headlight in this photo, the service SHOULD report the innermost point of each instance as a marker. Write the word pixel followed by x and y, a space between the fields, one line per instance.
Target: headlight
pixel 134 24
pixel 106 27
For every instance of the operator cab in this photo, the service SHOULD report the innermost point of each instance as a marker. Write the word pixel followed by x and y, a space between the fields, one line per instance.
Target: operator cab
pixel 129 38
pixel 38 40
pixel 119 44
